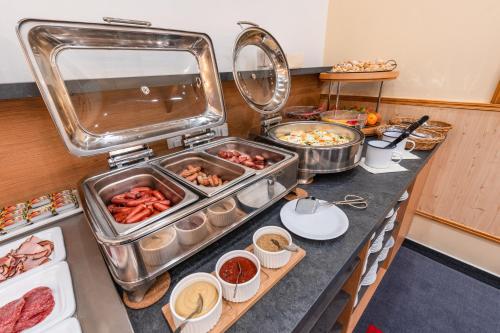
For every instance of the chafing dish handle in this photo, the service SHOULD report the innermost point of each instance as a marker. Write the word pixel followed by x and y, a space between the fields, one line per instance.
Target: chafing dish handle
pixel 125 21
pixel 241 23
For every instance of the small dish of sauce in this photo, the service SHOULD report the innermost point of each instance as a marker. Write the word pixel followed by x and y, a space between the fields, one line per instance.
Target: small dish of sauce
pixel 190 223
pixel 229 270
pixel 265 243
pixel 187 301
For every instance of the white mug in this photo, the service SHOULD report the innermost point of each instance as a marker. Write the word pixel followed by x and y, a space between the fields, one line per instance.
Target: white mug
pixel 400 147
pixel 380 158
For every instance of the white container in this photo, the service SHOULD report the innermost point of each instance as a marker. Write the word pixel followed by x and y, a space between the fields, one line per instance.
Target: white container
pixel 377 243
pixel 155 256
pixel 400 147
pixel 192 236
pixel 272 259
pixel 390 223
pixel 203 323
pixel 58 254
pixel 377 156
pixel 391 213
pixel 70 325
pixel 404 196
pixel 222 213
pixel 371 275
pixel 246 290
pixel 56 277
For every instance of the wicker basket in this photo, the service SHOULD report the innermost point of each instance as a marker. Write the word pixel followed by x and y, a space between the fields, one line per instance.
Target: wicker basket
pixel 428 142
pixel 433 125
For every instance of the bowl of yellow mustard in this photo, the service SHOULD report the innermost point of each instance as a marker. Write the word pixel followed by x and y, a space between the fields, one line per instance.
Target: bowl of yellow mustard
pixel 184 301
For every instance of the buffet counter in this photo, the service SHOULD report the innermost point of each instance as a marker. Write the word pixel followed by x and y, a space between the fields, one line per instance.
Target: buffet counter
pixel 295 303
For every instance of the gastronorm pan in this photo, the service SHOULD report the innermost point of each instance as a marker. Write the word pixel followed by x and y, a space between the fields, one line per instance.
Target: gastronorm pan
pixel 210 165
pixel 248 148
pixel 105 187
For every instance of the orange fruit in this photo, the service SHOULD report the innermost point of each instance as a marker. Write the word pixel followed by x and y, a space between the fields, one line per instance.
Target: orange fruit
pixel 379 117
pixel 371 120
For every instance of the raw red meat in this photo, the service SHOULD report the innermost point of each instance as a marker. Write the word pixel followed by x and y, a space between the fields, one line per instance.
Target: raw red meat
pixel 39 304
pixel 9 314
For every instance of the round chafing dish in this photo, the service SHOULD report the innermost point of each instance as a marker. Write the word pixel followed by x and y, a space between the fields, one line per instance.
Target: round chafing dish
pixel 320 159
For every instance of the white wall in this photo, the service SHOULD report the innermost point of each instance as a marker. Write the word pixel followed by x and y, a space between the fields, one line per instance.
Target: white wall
pixel 298 25
pixel 446 49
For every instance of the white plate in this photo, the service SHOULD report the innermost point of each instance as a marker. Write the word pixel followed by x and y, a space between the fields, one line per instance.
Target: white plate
pixel 59 254
pixel 404 196
pixel 328 222
pixel 70 325
pixel 58 278
pixel 390 213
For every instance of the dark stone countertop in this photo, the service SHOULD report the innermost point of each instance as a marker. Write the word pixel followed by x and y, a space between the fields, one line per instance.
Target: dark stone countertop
pixel 289 301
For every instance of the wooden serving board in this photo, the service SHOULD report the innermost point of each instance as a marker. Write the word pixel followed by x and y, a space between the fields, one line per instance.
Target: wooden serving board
pixel 231 312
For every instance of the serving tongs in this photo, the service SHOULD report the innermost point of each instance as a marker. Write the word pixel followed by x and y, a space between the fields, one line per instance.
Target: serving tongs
pixel 309 205
pixel 406 132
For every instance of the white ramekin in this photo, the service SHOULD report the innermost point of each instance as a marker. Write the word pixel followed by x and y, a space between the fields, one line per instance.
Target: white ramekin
pixel 222 219
pixel 206 322
pixel 245 290
pixel 192 236
pixel 272 259
pixel 163 254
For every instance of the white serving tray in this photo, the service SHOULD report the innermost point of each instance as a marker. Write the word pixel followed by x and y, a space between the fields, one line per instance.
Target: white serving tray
pixel 70 325
pixel 58 278
pixel 24 227
pixel 59 254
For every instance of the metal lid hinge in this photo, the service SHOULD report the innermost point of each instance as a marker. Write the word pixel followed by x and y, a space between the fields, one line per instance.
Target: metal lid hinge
pixel 127 156
pixel 268 121
pixel 198 138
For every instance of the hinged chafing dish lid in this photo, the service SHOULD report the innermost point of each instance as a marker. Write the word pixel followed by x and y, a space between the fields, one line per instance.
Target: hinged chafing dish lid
pixel 260 69
pixel 112 86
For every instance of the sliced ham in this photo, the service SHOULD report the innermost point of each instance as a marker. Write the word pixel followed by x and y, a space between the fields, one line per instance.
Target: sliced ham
pixel 32 253
pixel 29 248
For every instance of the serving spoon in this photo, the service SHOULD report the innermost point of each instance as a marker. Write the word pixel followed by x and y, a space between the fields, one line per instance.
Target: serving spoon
pixel 199 308
pixel 240 271
pixel 284 247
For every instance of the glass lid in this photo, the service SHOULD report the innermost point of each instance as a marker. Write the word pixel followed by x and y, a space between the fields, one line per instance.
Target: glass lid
pixel 112 86
pixel 260 69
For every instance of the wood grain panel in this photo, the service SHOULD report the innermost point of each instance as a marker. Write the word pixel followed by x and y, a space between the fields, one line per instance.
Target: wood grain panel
pixel 463 184
pixel 35 161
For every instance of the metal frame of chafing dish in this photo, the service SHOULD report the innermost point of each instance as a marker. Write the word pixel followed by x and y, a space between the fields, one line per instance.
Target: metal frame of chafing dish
pixel 320 160
pixel 122 253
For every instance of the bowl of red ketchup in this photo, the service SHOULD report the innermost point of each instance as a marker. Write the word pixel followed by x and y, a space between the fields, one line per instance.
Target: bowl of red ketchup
pixel 246 283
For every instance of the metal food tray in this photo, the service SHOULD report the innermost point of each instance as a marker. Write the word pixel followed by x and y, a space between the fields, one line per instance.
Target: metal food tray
pixel 105 187
pixel 272 157
pixel 233 173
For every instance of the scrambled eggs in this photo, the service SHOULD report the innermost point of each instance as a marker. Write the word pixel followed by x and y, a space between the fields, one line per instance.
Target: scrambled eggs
pixel 314 138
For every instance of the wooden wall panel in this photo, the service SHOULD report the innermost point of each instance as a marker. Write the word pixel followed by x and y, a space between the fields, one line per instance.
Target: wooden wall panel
pixel 463 184
pixel 34 160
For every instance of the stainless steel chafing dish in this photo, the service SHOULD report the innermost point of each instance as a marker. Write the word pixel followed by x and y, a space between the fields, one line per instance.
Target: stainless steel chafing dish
pixel 113 88
pixel 265 85
pixel 320 159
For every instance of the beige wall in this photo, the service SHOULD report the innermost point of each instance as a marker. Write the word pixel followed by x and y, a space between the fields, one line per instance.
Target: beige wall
pixel 446 50
pixel 473 250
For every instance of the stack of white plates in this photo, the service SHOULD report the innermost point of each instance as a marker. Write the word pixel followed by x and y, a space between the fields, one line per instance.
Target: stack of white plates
pixel 390 213
pixel 371 275
pixel 390 223
pixel 383 254
pixel 404 196
pixel 377 243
